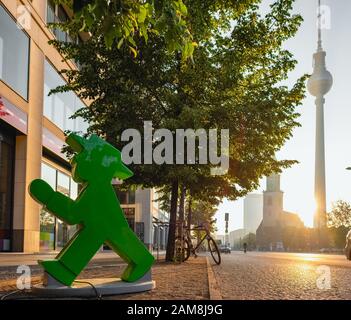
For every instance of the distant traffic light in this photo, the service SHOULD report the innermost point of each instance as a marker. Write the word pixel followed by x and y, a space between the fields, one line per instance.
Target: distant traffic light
pixel 80 4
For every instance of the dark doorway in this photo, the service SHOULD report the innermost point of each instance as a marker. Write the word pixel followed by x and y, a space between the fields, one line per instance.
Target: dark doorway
pixel 7 149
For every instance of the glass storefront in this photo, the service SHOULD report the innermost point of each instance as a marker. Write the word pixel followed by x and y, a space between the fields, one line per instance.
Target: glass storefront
pixel 63 234
pixel 7 143
pixel 14 54
pixel 54 233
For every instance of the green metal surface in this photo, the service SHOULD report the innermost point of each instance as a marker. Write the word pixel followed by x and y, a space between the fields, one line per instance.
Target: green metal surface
pixel 96 210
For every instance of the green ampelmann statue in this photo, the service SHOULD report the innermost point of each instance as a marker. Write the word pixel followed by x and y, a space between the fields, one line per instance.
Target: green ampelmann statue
pixel 96 210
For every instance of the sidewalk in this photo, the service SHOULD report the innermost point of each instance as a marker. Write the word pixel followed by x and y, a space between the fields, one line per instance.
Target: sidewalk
pixel 9 262
pixel 189 280
pixel 16 259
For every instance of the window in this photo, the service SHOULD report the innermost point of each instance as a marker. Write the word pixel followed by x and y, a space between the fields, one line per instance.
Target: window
pixel 57 14
pixel 63 183
pixel 47 220
pixel 125 197
pixel 139 230
pixel 60 107
pixel 73 190
pixel 130 216
pixel 63 230
pixel 54 233
pixel 14 55
pixel 51 12
pixel 49 175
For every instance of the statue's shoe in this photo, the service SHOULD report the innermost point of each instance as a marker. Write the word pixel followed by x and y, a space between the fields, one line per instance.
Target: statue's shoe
pixel 134 272
pixel 58 271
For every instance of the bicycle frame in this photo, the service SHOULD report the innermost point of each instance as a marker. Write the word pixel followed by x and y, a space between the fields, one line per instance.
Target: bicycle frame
pixel 185 237
pixel 188 236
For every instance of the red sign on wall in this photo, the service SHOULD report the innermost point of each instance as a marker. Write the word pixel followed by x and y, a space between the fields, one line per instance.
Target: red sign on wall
pixel 13 115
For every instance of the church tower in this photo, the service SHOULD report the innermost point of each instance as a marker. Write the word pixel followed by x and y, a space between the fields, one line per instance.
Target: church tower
pixel 272 202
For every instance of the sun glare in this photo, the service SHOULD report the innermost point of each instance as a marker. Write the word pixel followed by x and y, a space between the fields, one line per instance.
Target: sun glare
pixel 306 256
pixel 306 212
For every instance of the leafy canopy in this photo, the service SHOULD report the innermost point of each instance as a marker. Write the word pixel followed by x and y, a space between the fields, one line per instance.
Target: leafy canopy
pixel 234 83
pixel 123 21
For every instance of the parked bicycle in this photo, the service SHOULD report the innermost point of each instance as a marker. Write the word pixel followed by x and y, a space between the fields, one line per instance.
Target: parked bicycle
pixel 184 248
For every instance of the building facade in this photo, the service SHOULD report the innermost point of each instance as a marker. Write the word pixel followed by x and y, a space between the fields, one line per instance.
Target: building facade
pixel 142 211
pixel 236 238
pixel 253 212
pixel 32 126
pixel 220 238
pixel 276 222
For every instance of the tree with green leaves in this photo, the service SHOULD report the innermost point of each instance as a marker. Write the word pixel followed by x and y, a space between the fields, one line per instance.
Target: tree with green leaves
pixel 125 21
pixel 203 212
pixel 340 215
pixel 234 83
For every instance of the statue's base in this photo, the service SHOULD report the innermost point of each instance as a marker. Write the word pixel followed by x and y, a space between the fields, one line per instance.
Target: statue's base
pixel 84 287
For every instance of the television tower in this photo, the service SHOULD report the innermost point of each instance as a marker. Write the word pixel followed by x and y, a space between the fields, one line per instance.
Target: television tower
pixel 319 85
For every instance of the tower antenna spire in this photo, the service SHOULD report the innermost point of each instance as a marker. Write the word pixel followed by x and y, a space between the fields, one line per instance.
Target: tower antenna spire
pixel 319 27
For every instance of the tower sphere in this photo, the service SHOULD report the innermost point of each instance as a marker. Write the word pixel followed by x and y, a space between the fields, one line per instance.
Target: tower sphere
pixel 321 80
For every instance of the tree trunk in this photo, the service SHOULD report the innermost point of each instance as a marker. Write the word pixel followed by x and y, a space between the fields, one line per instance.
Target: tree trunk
pixel 181 220
pixel 181 211
pixel 172 222
pixel 189 213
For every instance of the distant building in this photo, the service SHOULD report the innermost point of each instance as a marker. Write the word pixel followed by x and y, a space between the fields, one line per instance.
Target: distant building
pixel 160 223
pixel 236 237
pixel 270 233
pixel 144 216
pixel 220 238
pixel 253 212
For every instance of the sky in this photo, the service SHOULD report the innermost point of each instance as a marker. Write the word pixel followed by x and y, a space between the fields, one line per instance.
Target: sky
pixel 297 182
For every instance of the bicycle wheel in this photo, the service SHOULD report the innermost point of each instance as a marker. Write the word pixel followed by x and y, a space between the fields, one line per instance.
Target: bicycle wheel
pixel 179 255
pixel 216 255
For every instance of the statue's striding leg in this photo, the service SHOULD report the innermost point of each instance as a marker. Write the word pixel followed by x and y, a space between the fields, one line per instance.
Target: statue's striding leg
pixel 74 256
pixel 128 246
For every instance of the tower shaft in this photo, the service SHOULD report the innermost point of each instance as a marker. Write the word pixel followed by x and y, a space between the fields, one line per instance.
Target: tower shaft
pixel 319 84
pixel 319 182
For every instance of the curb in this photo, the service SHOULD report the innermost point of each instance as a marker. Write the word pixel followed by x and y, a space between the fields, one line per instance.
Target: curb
pixel 215 293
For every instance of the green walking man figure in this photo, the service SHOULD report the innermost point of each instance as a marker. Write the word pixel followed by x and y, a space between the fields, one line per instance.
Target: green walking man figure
pixel 96 210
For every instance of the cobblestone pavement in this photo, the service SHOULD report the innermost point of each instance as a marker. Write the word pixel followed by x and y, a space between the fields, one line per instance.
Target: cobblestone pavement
pixel 188 280
pixel 258 275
